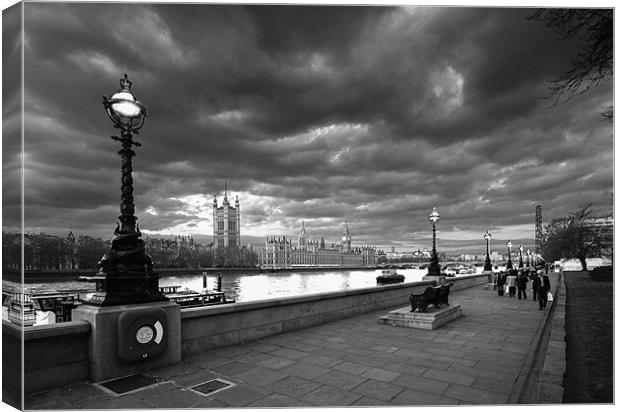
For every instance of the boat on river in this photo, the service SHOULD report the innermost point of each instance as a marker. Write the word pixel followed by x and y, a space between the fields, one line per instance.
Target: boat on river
pixel 36 308
pixel 21 309
pixel 390 276
pixel 453 269
pixel 188 298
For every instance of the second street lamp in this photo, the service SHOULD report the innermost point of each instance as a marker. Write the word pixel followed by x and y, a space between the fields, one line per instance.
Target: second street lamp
pixel 487 261
pixel 520 256
pixel 433 268
pixel 509 263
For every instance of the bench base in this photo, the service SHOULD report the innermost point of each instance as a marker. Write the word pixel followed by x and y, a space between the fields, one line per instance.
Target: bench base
pixel 433 319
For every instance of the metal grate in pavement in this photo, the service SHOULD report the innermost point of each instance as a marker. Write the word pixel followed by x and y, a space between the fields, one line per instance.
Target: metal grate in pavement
pixel 212 386
pixel 126 384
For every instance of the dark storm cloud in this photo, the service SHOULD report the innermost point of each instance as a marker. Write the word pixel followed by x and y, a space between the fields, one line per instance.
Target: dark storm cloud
pixel 373 114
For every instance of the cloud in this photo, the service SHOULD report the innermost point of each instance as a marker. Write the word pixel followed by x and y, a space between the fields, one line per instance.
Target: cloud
pixel 373 114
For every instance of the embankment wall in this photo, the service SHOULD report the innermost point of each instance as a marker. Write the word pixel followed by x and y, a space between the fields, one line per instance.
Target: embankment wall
pixel 56 355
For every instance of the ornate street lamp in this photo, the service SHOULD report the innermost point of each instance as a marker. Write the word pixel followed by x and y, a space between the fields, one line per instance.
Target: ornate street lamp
pixel 528 258
pixel 487 261
pixel 126 273
pixel 520 256
pixel 509 263
pixel 434 269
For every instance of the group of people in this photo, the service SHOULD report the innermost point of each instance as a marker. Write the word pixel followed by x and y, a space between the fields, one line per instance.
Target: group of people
pixel 516 280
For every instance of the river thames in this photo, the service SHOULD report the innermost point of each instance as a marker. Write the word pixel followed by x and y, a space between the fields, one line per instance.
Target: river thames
pixel 259 286
pixel 246 287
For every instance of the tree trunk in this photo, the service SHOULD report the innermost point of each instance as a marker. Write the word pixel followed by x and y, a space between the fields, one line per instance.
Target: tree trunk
pixel 584 266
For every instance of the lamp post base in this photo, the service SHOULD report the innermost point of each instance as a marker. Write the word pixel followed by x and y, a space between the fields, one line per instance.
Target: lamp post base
pixel 116 288
pixel 125 275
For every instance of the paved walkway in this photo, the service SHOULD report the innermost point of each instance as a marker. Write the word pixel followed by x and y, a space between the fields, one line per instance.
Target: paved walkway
pixel 484 357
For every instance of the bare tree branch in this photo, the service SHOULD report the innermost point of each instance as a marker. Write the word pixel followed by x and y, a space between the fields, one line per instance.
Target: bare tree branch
pixel 594 61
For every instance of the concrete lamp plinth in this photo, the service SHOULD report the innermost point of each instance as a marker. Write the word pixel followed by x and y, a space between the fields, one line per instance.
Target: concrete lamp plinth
pixel 106 335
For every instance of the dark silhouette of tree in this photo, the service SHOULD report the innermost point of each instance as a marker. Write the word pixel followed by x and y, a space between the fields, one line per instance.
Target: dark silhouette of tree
pixel 575 237
pixel 90 251
pixel 235 257
pixel 594 61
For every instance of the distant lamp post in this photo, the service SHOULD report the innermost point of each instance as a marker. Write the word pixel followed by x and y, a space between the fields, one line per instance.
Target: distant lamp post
pixel 434 269
pixel 509 263
pixel 126 273
pixel 487 261
pixel 520 256
pixel 529 262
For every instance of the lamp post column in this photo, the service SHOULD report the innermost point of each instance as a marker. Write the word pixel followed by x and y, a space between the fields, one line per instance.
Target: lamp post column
pixel 509 263
pixel 128 209
pixel 529 261
pixel 520 256
pixel 487 262
pixel 434 269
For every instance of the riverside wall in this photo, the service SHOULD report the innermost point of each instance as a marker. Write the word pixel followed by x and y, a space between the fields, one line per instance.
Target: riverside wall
pixel 58 354
pixel 54 355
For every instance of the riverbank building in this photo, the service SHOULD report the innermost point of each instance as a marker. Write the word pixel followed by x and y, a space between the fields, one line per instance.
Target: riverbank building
pixel 281 252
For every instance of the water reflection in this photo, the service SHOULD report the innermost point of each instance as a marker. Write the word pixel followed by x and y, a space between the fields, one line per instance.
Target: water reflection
pixel 258 286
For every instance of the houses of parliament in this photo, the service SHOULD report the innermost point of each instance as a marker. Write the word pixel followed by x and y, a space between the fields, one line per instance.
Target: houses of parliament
pixel 280 252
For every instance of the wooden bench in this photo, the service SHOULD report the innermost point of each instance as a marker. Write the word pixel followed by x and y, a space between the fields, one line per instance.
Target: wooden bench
pixel 431 296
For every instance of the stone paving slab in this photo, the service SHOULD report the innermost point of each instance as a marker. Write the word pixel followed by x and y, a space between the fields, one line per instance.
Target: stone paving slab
pixel 475 359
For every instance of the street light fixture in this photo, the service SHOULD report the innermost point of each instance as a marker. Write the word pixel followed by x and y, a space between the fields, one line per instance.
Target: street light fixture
pixel 126 272
pixel 509 263
pixel 487 261
pixel 520 256
pixel 529 263
pixel 434 269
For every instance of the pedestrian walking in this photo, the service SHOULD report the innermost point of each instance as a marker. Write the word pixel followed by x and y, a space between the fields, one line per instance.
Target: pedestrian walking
pixel 511 281
pixel 501 282
pixel 545 287
pixel 535 284
pixel 521 285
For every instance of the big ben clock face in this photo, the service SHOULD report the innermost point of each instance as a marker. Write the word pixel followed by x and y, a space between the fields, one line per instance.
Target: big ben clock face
pixel 145 334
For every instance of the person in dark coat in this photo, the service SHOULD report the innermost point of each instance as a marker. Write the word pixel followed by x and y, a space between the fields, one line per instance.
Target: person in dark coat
pixel 521 285
pixel 501 281
pixel 535 284
pixel 545 286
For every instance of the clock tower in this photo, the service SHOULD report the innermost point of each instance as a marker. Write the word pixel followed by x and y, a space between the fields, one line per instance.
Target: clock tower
pixel 346 238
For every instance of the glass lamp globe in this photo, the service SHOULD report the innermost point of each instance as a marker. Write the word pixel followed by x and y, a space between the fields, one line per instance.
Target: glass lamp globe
pixel 509 244
pixel 124 104
pixel 434 216
pixel 127 112
pixel 487 235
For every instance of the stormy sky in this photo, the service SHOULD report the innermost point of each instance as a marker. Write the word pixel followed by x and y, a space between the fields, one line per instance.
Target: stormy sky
pixel 310 113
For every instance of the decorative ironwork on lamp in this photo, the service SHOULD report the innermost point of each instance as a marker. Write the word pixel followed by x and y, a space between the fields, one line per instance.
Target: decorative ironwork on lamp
pixel 126 272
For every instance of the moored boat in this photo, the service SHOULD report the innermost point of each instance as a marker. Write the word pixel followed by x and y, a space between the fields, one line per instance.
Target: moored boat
pixel 390 276
pixel 190 298
pixel 21 309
